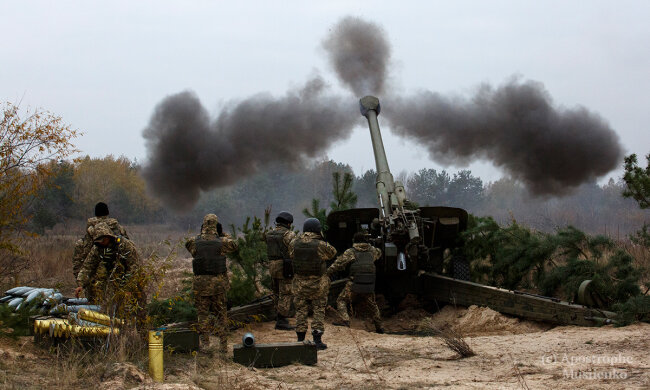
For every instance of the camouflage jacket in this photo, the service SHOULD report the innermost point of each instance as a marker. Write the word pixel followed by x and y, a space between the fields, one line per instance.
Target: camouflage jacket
pixel 209 284
pixel 125 260
pixel 275 266
pixel 228 244
pixel 326 251
pixel 348 256
pixel 83 246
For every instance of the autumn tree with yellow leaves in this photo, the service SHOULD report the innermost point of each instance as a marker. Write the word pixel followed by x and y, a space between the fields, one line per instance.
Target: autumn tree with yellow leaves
pixel 29 141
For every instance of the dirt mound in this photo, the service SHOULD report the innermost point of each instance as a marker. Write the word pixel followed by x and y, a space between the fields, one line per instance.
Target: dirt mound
pixel 478 321
pixel 406 320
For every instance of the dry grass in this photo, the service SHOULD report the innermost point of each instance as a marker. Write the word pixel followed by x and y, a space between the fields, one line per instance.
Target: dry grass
pixel 452 338
pixel 520 378
pixel 48 257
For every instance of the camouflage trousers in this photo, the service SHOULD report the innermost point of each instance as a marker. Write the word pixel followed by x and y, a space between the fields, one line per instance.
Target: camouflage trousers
pixel 347 297
pixel 211 308
pixel 282 296
pixel 310 291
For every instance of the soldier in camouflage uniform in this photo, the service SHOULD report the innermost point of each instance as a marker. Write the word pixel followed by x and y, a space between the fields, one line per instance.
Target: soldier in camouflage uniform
pixel 107 274
pixel 361 287
pixel 281 268
pixel 83 245
pixel 311 285
pixel 211 284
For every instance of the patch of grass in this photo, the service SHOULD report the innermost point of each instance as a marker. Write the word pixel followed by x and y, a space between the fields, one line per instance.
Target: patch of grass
pixel 15 323
pixel 452 338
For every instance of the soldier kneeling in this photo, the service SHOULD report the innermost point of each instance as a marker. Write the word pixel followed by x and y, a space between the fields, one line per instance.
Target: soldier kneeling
pixel 361 287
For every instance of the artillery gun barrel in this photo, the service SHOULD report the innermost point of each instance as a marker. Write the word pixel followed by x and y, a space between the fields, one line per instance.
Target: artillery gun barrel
pixel 391 194
pixel 370 108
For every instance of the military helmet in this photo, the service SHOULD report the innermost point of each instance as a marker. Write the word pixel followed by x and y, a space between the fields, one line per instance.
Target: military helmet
pixel 284 217
pixel 209 225
pixel 311 225
pixel 101 230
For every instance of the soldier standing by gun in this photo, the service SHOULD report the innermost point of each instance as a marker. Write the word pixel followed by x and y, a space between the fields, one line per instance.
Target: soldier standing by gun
pixel 309 252
pixel 281 267
pixel 107 274
pixel 211 284
pixel 361 287
pixel 83 246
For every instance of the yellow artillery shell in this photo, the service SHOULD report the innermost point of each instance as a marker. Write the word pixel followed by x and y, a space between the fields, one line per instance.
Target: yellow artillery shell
pixel 52 329
pixel 89 331
pixel 42 326
pixel 97 317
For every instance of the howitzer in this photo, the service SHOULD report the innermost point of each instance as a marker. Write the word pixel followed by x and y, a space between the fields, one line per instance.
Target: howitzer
pixel 422 256
pixel 421 250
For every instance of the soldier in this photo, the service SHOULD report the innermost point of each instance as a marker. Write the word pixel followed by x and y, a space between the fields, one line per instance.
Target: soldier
pixel 280 268
pixel 309 252
pixel 107 274
pixel 361 287
pixel 83 246
pixel 211 283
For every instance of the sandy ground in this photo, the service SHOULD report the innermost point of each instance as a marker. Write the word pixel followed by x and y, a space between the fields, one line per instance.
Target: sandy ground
pixel 510 354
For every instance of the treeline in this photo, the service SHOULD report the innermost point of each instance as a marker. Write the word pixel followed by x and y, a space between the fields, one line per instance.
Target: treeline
pixel 75 187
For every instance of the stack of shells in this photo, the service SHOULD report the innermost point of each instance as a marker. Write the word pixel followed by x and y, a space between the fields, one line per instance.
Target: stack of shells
pixel 85 323
pixel 68 317
pixel 47 300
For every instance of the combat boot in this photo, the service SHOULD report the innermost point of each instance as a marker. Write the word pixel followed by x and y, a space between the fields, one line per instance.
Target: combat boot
pixel 341 323
pixel 301 336
pixel 317 339
pixel 282 323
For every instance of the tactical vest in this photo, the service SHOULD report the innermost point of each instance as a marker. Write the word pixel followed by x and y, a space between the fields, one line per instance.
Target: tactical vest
pixel 305 259
pixel 362 271
pixel 208 259
pixel 275 247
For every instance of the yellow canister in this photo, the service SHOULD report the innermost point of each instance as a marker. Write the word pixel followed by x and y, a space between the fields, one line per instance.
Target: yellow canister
pixel 156 355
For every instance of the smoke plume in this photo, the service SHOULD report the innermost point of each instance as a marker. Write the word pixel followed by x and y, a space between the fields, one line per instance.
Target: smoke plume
pixel 189 153
pixel 515 126
pixel 359 53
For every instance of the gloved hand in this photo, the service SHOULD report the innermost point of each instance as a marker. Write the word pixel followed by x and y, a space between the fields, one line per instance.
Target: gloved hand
pixel 77 291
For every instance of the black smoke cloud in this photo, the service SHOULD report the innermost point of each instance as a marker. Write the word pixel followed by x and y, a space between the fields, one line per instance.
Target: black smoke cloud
pixel 188 152
pixel 515 126
pixel 360 54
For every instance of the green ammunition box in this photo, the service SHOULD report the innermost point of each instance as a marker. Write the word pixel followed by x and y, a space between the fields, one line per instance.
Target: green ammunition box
pixel 180 340
pixel 275 355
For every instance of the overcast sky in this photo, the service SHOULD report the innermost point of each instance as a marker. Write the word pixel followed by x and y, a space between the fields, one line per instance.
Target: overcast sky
pixel 104 67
